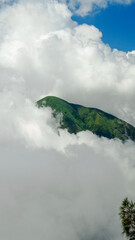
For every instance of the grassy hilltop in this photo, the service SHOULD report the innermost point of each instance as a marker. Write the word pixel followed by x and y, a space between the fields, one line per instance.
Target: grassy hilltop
pixel 78 118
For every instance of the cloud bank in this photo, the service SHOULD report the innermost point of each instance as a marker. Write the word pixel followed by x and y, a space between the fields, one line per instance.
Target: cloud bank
pixel 79 7
pixel 56 185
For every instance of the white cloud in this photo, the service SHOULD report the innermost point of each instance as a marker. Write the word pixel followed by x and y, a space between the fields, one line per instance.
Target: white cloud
pixel 46 194
pixel 41 55
pixel 60 186
pixel 83 7
pixel 79 7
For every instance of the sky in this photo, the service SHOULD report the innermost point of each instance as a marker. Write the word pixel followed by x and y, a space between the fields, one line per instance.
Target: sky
pixel 66 186
pixel 116 22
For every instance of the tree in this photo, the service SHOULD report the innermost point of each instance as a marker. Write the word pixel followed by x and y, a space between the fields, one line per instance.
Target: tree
pixel 127 215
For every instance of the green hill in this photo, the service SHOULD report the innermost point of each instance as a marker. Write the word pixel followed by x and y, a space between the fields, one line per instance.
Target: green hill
pixel 78 118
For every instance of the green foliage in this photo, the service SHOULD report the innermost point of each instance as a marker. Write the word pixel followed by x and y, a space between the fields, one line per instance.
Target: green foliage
pixel 77 118
pixel 127 215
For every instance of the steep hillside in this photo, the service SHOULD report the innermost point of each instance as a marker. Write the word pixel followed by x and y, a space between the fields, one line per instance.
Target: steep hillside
pixel 78 118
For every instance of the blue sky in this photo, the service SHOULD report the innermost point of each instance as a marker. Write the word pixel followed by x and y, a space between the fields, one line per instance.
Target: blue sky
pixel 117 23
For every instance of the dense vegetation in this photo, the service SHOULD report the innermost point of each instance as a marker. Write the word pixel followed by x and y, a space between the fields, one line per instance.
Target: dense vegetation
pixel 127 215
pixel 76 118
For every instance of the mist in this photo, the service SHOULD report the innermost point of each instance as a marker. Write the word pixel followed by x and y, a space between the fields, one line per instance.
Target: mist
pixel 56 185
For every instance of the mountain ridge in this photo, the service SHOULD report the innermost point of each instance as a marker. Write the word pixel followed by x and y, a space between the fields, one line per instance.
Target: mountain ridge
pixel 76 118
